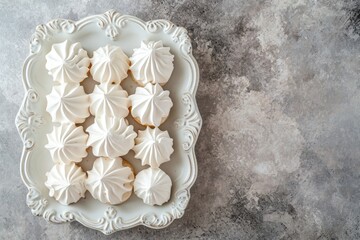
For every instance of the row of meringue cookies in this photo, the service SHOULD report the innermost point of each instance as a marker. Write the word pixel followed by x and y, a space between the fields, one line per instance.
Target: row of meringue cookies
pixel 111 178
pixel 151 67
pixel 68 65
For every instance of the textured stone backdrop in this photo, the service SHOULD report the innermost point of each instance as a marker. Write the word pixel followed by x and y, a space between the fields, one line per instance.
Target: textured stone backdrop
pixel 279 153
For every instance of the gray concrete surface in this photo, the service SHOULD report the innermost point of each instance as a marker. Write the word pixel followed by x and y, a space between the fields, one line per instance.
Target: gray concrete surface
pixel 279 153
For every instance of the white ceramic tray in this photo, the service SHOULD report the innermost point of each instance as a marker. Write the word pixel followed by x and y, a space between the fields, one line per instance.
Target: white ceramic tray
pixel 183 124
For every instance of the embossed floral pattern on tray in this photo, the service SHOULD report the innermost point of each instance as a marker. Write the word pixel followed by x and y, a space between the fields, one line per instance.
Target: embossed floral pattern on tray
pixel 31 117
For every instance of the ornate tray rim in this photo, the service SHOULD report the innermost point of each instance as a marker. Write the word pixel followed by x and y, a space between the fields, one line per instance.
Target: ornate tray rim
pixel 28 120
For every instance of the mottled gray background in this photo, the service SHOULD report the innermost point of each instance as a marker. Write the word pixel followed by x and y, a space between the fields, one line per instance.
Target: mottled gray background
pixel 279 152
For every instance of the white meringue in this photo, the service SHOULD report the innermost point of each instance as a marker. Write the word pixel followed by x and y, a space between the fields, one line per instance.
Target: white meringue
pixel 153 186
pixel 153 147
pixel 109 100
pixel 109 65
pixel 67 143
pixel 150 104
pixel 111 137
pixel 110 181
pixel 68 103
pixel 152 63
pixel 67 62
pixel 66 183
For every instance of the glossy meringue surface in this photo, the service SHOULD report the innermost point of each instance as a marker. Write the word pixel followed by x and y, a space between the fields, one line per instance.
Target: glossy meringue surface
pixel 67 62
pixel 110 137
pixel 66 183
pixel 153 147
pixel 109 100
pixel 153 186
pixel 150 104
pixel 110 181
pixel 67 143
pixel 109 65
pixel 68 103
pixel 152 63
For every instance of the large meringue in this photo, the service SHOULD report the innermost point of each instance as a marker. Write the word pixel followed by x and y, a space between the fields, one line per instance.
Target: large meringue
pixel 67 143
pixel 152 63
pixel 111 137
pixel 153 186
pixel 109 65
pixel 153 147
pixel 110 181
pixel 67 62
pixel 150 105
pixel 68 103
pixel 109 100
pixel 66 183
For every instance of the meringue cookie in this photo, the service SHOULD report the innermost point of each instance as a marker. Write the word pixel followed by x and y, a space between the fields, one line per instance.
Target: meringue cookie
pixel 152 63
pixel 109 65
pixel 109 100
pixel 150 105
pixel 68 103
pixel 66 183
pixel 153 147
pixel 111 137
pixel 110 181
pixel 67 143
pixel 153 186
pixel 67 62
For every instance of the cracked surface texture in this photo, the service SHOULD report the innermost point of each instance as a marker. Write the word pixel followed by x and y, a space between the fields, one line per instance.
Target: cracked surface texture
pixel 279 93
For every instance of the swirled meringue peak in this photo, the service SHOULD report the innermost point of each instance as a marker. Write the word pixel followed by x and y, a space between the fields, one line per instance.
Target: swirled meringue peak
pixel 68 103
pixel 150 105
pixel 109 100
pixel 67 62
pixel 152 63
pixel 67 143
pixel 109 65
pixel 66 183
pixel 109 181
pixel 153 186
pixel 111 137
pixel 153 147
